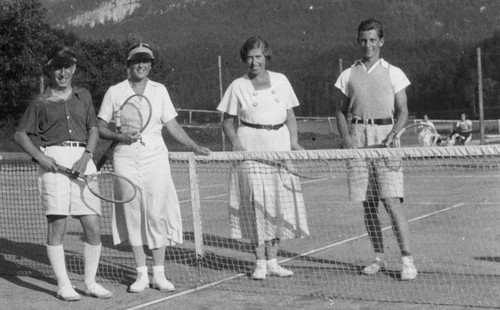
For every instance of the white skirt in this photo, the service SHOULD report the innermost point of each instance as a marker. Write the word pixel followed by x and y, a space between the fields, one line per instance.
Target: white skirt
pixel 265 203
pixel 153 218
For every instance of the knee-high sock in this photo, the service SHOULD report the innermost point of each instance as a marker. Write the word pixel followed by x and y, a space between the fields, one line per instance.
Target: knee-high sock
pixel 91 253
pixel 58 263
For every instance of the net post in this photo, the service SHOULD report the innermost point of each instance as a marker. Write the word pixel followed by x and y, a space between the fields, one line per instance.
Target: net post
pixel 195 206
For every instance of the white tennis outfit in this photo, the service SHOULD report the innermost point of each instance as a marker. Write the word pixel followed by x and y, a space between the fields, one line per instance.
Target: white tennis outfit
pixel 264 204
pixel 153 218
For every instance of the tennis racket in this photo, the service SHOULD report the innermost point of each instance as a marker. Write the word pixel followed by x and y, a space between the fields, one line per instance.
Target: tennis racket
pixel 416 135
pixel 107 185
pixel 413 135
pixel 134 115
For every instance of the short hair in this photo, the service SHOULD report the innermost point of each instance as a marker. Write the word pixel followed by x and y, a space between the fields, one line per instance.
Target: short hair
pixel 252 43
pixel 372 24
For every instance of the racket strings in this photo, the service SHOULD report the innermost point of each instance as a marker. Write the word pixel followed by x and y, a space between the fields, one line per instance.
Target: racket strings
pixel 130 118
pixel 416 135
pixel 135 115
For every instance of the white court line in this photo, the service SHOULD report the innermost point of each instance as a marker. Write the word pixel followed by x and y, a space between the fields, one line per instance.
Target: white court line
pixel 285 260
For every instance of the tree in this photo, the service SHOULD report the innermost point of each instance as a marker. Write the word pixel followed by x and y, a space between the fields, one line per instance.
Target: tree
pixel 24 36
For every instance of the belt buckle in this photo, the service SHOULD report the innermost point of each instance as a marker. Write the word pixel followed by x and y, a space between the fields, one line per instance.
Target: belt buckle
pixel 268 127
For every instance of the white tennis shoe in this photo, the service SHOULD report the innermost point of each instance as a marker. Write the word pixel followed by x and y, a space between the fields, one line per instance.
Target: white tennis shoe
pixel 273 269
pixel 409 271
pixel 159 281
pixel 377 265
pixel 162 284
pixel 98 291
pixel 142 281
pixel 68 293
pixel 260 271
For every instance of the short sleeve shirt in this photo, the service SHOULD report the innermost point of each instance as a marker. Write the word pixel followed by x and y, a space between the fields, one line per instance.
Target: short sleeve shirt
pixel 397 76
pixel 55 120
pixel 465 126
pixel 162 107
pixel 259 106
pixel 372 92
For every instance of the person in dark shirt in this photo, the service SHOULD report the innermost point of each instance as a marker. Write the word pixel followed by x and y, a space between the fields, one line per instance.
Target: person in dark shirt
pixel 64 121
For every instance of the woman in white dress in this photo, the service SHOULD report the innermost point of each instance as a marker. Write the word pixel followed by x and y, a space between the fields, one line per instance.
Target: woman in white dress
pixel 264 206
pixel 153 218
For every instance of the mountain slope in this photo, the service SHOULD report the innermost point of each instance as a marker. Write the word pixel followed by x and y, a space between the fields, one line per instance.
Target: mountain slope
pixel 319 23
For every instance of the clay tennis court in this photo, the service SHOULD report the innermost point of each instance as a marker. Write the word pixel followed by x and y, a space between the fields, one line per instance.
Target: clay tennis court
pixel 454 235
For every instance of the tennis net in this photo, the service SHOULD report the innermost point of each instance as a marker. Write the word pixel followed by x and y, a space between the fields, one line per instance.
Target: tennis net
pixel 452 203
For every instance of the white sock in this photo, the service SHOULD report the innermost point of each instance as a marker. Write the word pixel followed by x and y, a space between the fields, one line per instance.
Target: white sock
pixel 58 263
pixel 91 254
pixel 158 270
pixel 273 263
pixel 142 271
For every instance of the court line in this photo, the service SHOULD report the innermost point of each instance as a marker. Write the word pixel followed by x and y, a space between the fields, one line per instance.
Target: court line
pixel 286 260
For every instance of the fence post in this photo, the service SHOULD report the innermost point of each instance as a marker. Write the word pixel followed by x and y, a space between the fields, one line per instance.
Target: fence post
pixel 480 92
pixel 195 206
pixel 221 94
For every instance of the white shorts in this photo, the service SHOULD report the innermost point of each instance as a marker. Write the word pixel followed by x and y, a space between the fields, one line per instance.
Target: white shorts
pixel 62 195
pixel 372 180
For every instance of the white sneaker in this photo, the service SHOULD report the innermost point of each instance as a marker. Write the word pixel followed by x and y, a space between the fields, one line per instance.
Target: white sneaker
pixel 98 291
pixel 260 271
pixel 162 284
pixel 142 281
pixel 377 265
pixel 279 272
pixel 68 293
pixel 273 269
pixel 409 271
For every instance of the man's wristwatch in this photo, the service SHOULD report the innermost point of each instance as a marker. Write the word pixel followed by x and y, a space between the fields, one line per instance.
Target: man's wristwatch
pixel 90 153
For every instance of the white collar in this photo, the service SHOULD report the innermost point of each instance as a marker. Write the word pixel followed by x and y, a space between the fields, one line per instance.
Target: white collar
pixel 381 61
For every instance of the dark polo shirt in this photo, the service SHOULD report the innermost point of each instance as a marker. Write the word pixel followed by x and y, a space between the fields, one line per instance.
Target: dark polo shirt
pixel 55 120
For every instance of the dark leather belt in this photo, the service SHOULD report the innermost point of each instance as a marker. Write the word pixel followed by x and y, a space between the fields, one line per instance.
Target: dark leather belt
pixel 373 121
pixel 71 144
pixel 267 127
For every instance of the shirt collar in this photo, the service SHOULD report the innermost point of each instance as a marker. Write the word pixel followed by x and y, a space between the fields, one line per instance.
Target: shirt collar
pixel 76 92
pixel 381 61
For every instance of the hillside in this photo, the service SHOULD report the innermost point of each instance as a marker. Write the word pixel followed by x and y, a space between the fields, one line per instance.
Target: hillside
pixel 432 40
pixel 318 24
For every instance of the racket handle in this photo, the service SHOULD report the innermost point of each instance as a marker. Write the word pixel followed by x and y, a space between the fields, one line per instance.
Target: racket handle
pixel 68 171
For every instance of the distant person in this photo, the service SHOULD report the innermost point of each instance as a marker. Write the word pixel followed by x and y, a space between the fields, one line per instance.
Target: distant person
pixel 427 135
pixel 264 206
pixel 153 218
pixel 64 120
pixel 462 133
pixel 374 93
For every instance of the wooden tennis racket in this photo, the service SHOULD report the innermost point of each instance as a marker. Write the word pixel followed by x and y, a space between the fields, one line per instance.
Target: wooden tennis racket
pixel 133 116
pixel 107 185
